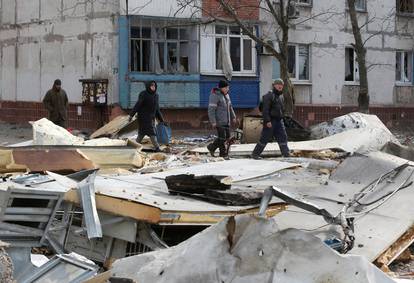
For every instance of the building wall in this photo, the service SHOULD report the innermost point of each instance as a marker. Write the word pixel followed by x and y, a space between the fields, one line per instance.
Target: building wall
pixel 48 39
pixel 181 90
pixel 329 35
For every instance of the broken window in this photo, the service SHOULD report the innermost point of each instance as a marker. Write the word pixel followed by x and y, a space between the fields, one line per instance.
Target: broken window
pixel 298 62
pixel 405 6
pixel 361 5
pixel 351 67
pixel 231 42
pixel 404 67
pixel 157 48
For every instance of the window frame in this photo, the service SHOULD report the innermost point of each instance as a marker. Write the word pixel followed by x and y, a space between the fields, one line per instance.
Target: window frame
pixel 404 53
pixel 154 40
pixel 297 66
pixel 364 9
pixel 356 67
pixel 242 37
pixel 297 3
pixel 401 13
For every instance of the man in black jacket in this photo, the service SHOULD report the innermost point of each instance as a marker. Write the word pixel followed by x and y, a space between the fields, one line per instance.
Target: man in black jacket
pixel 273 121
pixel 148 109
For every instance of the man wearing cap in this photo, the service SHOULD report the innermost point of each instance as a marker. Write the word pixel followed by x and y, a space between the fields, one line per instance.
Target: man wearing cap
pixel 273 121
pixel 220 114
pixel 56 103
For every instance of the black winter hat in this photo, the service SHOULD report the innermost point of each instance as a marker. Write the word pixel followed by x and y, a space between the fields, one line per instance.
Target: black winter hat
pixel 57 82
pixel 223 83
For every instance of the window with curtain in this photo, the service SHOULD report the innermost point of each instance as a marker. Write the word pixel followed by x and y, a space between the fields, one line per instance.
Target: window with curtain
pixel 298 62
pixel 232 43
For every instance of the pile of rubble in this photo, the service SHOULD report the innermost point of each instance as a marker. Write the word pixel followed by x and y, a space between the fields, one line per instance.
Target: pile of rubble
pixel 107 208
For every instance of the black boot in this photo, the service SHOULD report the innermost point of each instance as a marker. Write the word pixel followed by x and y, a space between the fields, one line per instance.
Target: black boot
pixel 284 150
pixel 211 148
pixel 258 149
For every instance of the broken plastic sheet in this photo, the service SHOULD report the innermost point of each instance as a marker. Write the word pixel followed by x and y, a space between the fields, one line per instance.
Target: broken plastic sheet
pixel 47 133
pixel 346 122
pixel 249 249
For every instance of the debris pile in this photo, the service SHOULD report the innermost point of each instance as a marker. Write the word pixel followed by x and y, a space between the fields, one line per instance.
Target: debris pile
pixel 248 249
pixel 145 216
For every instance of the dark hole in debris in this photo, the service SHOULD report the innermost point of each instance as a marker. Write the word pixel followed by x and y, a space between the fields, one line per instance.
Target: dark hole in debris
pixel 162 272
pixel 360 245
pixel 26 202
pixel 285 270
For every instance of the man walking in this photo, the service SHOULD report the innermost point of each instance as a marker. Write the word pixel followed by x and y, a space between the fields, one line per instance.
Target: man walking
pixel 56 103
pixel 148 109
pixel 220 114
pixel 273 121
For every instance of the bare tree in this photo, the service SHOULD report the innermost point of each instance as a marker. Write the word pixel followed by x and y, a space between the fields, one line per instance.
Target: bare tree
pixel 361 52
pixel 282 17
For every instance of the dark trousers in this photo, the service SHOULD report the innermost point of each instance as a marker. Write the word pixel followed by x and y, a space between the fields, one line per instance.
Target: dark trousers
pixel 60 122
pixel 223 133
pixel 279 132
pixel 153 139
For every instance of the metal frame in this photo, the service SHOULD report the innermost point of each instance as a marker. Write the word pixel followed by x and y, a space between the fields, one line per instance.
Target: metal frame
pixel 90 270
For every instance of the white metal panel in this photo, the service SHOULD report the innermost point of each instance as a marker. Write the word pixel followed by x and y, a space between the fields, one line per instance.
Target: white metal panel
pixel 50 9
pixel 8 73
pixel 27 11
pixel 28 72
pixel 8 9
pixel 73 58
pixel 51 64
pixel 207 46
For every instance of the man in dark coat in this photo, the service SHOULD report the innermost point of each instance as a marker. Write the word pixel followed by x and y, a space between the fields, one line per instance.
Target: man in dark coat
pixel 56 103
pixel 148 109
pixel 220 114
pixel 273 121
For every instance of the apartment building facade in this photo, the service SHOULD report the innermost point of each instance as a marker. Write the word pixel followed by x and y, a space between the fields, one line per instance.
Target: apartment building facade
pixel 121 44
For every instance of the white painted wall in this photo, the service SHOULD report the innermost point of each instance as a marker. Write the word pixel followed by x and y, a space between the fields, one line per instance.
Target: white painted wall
pixel 159 8
pixel 328 39
pixel 69 39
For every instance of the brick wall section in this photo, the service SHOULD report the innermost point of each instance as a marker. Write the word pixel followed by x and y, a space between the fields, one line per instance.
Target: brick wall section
pixel 390 115
pixel 23 112
pixel 246 9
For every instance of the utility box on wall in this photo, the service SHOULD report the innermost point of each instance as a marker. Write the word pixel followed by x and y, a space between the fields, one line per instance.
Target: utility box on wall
pixel 94 92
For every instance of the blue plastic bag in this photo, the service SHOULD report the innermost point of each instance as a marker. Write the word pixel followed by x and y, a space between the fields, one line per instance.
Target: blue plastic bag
pixel 163 133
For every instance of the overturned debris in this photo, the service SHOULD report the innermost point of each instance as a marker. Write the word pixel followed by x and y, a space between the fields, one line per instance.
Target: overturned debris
pixel 353 140
pixel 248 249
pixel 47 133
pixel 118 126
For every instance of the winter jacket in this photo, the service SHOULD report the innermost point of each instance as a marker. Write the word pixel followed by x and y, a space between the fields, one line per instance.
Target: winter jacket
pixel 56 103
pixel 220 109
pixel 148 109
pixel 272 106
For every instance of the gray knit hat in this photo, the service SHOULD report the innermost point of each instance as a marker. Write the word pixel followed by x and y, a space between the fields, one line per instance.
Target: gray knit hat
pixel 279 82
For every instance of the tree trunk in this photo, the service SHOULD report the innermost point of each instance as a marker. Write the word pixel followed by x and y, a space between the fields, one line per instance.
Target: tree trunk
pixel 288 92
pixel 360 50
pixel 288 101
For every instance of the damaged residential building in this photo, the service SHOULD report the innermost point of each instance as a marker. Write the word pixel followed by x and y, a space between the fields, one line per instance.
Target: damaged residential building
pixel 104 51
